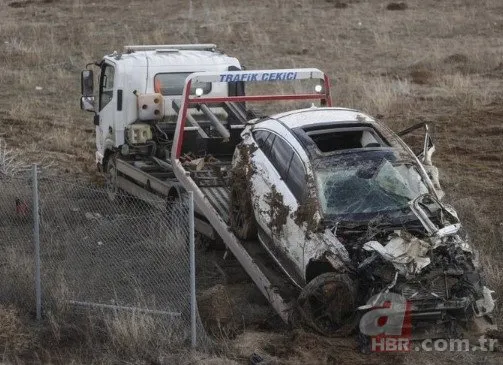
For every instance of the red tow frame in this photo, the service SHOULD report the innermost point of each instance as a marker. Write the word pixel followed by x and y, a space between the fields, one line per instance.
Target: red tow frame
pixel 325 99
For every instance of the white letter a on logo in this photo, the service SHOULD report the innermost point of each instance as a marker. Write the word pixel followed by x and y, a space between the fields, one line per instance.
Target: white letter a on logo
pixel 393 316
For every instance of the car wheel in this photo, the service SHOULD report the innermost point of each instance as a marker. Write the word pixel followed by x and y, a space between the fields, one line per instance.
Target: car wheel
pixel 242 219
pixel 328 304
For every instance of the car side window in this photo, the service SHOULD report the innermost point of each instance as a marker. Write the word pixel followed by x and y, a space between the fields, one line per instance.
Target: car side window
pixel 281 154
pixel 296 178
pixel 264 140
pixel 106 85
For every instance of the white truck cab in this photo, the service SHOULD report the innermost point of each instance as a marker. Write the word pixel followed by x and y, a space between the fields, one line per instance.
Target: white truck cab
pixel 137 89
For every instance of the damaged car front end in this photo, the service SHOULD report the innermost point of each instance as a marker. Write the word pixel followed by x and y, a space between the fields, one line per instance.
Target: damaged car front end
pixel 436 272
pixel 400 239
pixel 382 205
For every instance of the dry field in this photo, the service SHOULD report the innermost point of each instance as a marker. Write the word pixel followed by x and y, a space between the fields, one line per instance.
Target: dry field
pixel 440 61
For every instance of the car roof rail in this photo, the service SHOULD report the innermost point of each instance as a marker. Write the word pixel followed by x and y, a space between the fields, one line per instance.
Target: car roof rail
pixel 172 47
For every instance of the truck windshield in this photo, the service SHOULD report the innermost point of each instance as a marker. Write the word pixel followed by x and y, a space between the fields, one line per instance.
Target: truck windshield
pixel 367 183
pixel 172 83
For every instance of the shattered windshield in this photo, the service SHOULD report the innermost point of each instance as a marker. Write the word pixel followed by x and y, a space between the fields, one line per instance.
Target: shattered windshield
pixel 367 182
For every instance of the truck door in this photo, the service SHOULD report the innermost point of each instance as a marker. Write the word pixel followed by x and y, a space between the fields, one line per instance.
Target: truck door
pixel 106 109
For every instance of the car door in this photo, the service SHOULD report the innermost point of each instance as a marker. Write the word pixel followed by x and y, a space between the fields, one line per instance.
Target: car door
pixel 279 186
pixel 423 139
pixel 424 152
pixel 106 108
pixel 261 181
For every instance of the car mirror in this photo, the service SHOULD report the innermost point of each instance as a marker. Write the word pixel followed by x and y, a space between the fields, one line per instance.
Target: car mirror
pixel 87 83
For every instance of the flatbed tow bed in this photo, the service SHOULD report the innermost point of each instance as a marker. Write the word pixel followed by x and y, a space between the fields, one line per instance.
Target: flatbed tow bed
pixel 210 184
pixel 149 182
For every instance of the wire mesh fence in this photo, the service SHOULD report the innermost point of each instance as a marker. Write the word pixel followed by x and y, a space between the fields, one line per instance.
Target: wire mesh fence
pixel 125 258
pixel 17 268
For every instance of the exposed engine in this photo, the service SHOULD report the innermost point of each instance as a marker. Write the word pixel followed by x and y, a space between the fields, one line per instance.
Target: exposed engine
pixel 429 263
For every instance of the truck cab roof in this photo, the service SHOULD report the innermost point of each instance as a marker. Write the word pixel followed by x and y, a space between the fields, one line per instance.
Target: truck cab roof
pixel 160 58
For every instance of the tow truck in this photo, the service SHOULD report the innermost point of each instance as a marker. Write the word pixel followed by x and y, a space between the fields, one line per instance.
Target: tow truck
pixel 154 141
pixel 187 140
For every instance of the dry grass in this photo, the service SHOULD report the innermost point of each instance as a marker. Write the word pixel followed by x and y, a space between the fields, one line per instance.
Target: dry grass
pixel 9 161
pixel 17 265
pixel 487 238
pixel 434 60
pixel 138 335
pixel 15 336
pixel 375 95
pixel 368 59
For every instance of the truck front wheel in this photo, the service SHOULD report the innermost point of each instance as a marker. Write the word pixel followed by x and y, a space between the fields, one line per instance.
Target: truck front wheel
pixel 111 185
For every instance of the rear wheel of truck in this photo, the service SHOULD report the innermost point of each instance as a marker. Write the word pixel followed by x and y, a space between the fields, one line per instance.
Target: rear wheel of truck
pixel 242 219
pixel 328 304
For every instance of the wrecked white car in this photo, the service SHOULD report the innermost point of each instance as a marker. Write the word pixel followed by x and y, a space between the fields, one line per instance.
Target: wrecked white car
pixel 348 211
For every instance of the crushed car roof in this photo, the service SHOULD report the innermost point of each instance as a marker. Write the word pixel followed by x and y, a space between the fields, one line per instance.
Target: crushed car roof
pixel 297 121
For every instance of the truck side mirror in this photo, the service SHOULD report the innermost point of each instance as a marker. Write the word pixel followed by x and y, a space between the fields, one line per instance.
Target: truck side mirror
pixel 87 83
pixel 87 90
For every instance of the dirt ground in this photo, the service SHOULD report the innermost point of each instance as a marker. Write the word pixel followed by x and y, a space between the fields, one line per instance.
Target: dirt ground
pixel 418 60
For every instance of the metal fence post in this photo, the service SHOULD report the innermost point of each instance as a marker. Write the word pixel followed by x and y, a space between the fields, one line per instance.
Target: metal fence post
pixel 192 259
pixel 36 241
